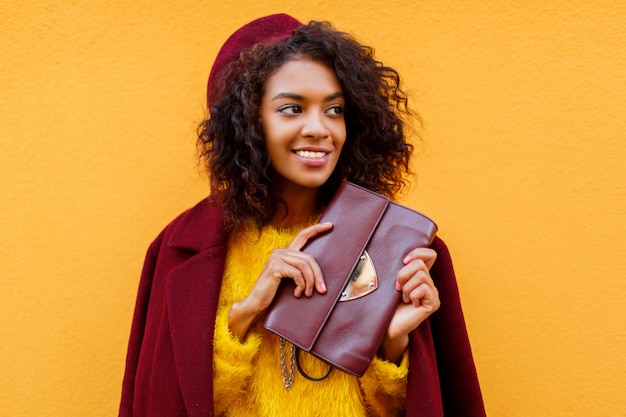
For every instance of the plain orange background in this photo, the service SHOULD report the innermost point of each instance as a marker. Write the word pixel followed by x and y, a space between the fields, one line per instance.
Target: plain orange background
pixel 523 166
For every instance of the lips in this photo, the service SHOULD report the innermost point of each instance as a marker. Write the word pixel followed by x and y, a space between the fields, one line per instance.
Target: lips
pixel 313 158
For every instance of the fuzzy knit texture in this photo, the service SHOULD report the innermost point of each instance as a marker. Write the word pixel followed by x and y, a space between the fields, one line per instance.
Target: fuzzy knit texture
pixel 247 376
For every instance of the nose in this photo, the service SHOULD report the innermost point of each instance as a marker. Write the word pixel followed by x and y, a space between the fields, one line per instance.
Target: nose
pixel 314 126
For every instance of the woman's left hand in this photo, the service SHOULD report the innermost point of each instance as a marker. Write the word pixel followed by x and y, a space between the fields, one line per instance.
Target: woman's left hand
pixel 420 299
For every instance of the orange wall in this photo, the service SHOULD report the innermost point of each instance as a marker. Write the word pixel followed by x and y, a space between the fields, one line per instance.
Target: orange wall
pixel 523 167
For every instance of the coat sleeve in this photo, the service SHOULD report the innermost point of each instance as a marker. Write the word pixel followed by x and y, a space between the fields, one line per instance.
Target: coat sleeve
pixel 137 329
pixel 460 390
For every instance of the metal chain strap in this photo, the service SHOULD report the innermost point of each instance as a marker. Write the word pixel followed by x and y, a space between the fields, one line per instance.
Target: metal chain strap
pixel 287 376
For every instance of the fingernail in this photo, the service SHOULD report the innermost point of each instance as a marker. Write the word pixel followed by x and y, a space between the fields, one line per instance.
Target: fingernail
pixel 323 286
pixel 398 286
pixel 407 259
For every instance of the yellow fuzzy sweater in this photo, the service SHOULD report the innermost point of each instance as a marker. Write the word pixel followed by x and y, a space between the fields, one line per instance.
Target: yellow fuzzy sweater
pixel 247 376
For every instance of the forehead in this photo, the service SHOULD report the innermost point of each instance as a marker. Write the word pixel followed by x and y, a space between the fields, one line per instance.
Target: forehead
pixel 303 75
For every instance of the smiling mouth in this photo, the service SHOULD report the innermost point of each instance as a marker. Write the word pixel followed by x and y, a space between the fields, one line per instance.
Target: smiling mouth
pixel 311 155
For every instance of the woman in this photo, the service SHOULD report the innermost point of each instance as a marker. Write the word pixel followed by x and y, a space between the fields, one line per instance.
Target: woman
pixel 294 110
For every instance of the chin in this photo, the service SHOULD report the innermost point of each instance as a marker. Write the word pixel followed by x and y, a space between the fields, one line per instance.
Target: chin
pixel 315 183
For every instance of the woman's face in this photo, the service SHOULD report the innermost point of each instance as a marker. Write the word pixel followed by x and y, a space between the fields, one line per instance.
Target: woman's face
pixel 303 123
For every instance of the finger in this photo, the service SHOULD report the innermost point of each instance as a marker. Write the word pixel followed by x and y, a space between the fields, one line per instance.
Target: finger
pixel 417 295
pixel 304 235
pixel 281 268
pixel 425 254
pixel 299 271
pixel 407 272
pixel 318 277
pixel 421 277
pixel 425 296
pixel 298 243
pixel 309 272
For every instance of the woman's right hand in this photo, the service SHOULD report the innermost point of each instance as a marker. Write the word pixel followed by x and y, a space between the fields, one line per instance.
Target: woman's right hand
pixel 289 262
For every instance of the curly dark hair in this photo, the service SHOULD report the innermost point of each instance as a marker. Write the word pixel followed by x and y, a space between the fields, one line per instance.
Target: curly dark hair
pixel 231 143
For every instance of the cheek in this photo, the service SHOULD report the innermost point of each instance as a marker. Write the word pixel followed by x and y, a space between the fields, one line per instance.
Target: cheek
pixel 275 130
pixel 276 142
pixel 340 136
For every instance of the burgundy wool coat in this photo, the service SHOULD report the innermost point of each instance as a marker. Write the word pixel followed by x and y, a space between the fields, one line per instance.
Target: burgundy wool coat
pixel 169 361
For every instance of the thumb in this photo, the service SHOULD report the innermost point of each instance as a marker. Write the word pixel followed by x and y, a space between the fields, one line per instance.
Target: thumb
pixel 304 235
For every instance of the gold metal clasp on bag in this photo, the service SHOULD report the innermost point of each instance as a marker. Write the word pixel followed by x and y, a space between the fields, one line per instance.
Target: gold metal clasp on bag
pixel 362 281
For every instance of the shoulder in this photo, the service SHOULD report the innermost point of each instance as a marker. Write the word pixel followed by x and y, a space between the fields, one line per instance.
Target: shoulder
pixel 440 246
pixel 443 268
pixel 196 228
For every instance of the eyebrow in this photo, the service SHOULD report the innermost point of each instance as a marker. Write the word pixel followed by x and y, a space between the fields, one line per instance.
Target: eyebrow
pixel 299 97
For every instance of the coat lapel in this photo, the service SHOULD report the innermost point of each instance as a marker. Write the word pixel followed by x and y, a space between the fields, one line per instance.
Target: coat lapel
pixel 192 297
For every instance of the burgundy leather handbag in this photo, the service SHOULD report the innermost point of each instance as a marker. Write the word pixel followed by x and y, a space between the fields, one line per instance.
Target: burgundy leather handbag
pixel 359 258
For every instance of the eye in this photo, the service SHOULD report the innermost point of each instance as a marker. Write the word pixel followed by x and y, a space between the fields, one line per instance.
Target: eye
pixel 335 110
pixel 290 109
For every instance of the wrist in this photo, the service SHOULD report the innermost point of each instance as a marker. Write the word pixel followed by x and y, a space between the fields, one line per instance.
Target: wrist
pixel 393 349
pixel 241 317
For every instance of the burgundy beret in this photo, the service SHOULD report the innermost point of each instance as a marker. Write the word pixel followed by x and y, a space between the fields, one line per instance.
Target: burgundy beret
pixel 266 29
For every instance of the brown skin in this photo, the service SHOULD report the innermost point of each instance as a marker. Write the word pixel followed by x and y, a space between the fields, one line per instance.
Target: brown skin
pixel 231 141
pixel 302 118
pixel 283 262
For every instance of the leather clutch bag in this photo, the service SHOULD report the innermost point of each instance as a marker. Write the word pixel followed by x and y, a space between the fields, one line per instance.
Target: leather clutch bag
pixel 359 258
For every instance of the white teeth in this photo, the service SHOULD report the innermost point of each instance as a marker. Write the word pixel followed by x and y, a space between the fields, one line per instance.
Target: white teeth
pixel 309 154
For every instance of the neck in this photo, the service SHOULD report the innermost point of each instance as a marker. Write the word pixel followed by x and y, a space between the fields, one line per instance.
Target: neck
pixel 298 208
